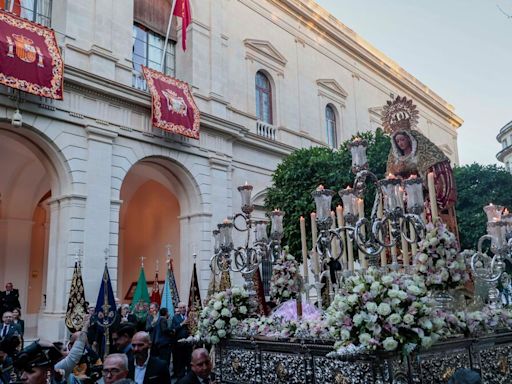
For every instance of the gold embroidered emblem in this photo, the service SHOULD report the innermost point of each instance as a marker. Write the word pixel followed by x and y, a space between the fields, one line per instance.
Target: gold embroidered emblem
pixel 175 103
pixel 24 49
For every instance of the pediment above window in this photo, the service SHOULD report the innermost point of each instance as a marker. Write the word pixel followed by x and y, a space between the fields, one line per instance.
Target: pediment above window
pixel 263 50
pixel 332 86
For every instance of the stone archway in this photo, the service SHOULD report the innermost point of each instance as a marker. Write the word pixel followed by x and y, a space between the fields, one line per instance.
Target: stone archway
pixel 30 173
pixel 157 196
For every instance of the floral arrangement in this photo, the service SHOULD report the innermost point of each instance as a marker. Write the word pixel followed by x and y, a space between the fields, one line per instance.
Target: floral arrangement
pixel 385 312
pixel 276 327
pixel 223 313
pixel 439 260
pixel 476 323
pixel 286 280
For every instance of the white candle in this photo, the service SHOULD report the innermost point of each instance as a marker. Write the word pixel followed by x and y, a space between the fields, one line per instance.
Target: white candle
pixel 304 248
pixel 314 236
pixel 414 245
pixel 341 223
pixel 405 251
pixel 334 243
pixel 383 256
pixel 361 255
pixel 432 196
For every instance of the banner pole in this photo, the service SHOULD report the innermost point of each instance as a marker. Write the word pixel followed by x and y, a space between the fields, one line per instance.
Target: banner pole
pixel 167 36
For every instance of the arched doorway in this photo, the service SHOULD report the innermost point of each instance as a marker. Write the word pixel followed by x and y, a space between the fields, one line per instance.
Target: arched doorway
pixel 155 195
pixel 28 179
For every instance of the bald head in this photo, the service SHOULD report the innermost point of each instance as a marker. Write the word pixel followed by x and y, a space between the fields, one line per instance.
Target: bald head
pixel 141 343
pixel 200 363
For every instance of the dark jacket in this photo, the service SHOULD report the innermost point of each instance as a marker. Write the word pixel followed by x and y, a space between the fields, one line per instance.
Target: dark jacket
pixel 180 331
pixel 14 329
pixel 9 301
pixel 157 371
pixel 191 378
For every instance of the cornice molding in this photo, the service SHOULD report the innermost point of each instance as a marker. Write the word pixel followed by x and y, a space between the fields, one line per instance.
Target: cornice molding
pixel 265 49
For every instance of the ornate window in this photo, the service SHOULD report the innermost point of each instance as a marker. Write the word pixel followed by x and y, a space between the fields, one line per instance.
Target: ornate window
pixel 39 11
pixel 263 98
pixel 330 124
pixel 147 50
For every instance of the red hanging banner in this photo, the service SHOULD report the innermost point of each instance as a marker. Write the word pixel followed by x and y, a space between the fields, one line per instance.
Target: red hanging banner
pixel 173 107
pixel 30 59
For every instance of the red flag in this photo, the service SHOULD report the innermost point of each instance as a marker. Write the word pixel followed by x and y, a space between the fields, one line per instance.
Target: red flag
pixel 173 107
pixel 155 293
pixel 31 60
pixel 182 9
pixel 16 7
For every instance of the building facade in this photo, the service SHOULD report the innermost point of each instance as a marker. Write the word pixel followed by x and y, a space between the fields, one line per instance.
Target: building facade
pixel 89 175
pixel 505 139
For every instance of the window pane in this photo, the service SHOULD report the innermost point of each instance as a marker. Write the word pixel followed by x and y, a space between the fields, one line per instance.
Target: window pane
pixel 27 9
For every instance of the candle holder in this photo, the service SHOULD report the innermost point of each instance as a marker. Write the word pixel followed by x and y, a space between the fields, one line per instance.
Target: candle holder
pixel 257 247
pixel 358 151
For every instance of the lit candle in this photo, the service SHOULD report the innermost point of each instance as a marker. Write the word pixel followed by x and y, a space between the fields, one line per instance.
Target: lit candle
pixel 361 255
pixel 334 243
pixel 341 223
pixel 304 248
pixel 314 236
pixel 432 196
pixel 380 215
pixel 405 250
pixel 414 245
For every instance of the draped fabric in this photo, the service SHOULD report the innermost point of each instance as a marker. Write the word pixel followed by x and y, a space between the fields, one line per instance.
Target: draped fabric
pixel 31 60
pixel 154 15
pixel 76 302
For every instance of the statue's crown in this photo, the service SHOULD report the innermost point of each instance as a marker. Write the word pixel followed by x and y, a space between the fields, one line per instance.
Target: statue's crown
pixel 399 114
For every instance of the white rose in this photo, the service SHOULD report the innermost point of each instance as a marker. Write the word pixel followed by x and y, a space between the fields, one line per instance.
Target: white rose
pixel 376 286
pixel 364 338
pixel 394 319
pixel 220 324
pixel 215 339
pixel 358 319
pixel 359 288
pixel 408 318
pixel 352 299
pixel 371 307
pixel 414 290
pixel 217 305
pixel 426 342
pixel 344 335
pixel 243 309
pixel 387 279
pixel 215 314
pixel 389 344
pixel 206 323
pixel 225 312
pixel 384 309
pixel 233 321
pixel 422 258
pixel 221 333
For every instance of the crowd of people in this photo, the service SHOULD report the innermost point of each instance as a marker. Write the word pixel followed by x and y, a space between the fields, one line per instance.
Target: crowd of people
pixel 141 352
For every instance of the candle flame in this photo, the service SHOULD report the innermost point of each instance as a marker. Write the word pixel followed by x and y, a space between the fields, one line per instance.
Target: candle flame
pixel 320 188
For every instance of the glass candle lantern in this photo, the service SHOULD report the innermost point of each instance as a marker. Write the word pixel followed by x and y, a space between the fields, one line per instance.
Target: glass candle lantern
pixel 497 230
pixel 323 199
pixel 216 238
pixel 261 231
pixel 414 190
pixel 226 237
pixel 349 200
pixel 390 187
pixel 245 194
pixel 358 151
pixel 493 212
pixel 276 217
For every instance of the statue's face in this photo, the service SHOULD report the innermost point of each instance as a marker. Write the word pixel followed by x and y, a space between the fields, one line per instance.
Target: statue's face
pixel 403 142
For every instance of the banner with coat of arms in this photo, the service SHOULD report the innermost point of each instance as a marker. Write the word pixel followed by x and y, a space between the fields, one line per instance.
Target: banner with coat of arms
pixel 30 57
pixel 173 107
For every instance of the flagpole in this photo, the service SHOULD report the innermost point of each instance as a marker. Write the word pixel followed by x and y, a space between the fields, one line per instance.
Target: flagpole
pixel 167 36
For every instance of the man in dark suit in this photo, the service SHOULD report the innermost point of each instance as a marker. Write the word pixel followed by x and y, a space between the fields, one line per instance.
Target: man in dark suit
pixel 161 336
pixel 181 351
pixel 8 328
pixel 9 299
pixel 146 369
pixel 122 340
pixel 201 369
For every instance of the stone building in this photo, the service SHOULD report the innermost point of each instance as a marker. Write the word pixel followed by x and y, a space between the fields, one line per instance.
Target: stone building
pixel 89 173
pixel 505 138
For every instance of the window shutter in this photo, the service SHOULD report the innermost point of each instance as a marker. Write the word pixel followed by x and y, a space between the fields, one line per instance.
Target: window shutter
pixel 154 15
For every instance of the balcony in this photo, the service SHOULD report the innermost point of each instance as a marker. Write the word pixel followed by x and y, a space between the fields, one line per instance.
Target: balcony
pixel 265 130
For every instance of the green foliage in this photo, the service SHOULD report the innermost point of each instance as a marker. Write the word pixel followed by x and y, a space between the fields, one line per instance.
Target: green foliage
pixel 302 171
pixel 477 186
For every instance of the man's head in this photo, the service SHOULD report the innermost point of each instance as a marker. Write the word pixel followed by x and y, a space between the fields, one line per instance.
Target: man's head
pixel 7 317
pixel 153 308
pixel 140 345
pixel 36 362
pixel 122 337
pixel 200 363
pixel 182 308
pixel 115 367
pixel 164 312
pixel 9 287
pixel 91 310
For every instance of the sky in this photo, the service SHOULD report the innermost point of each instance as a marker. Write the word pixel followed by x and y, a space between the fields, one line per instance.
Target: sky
pixel 461 49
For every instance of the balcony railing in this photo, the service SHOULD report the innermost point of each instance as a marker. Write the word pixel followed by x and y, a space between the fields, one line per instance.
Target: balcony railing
pixel 268 131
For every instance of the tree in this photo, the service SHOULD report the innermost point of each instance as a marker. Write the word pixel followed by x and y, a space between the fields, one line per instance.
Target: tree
pixel 477 186
pixel 302 171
